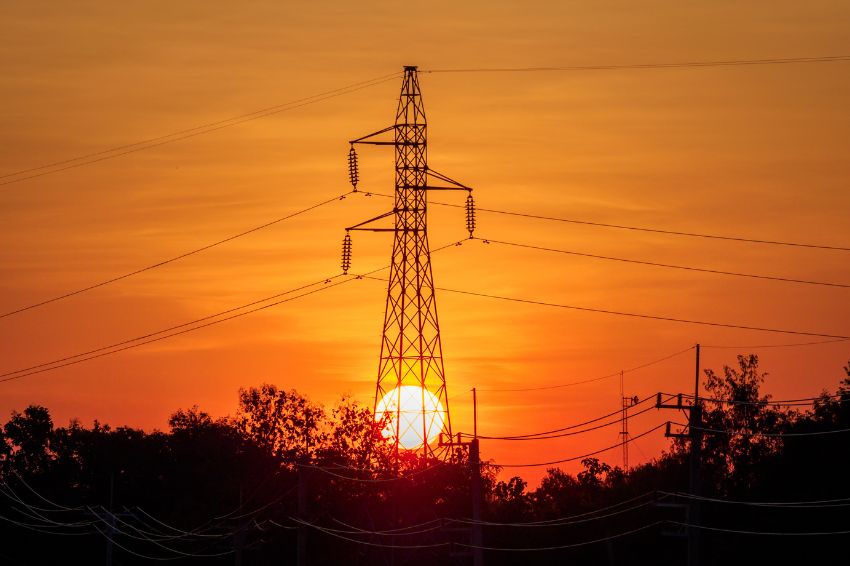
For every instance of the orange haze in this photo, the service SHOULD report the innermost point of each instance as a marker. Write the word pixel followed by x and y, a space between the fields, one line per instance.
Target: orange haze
pixel 759 151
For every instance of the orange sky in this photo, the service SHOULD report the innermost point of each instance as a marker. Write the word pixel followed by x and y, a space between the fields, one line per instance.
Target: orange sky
pixel 753 151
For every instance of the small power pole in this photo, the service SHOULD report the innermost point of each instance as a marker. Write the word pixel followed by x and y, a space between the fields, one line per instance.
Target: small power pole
pixel 475 488
pixel 111 528
pixel 696 453
pixel 301 548
pixel 694 434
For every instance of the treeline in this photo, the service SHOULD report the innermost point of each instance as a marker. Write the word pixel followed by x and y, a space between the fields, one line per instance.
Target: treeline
pixel 244 489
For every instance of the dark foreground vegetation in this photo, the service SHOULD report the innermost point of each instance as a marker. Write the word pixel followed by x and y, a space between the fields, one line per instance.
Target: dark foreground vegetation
pixel 236 491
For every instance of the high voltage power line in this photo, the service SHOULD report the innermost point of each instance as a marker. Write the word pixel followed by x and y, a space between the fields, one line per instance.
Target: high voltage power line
pixel 164 334
pixel 197 324
pixel 666 265
pixel 501 242
pixel 639 66
pixel 588 380
pixel 118 151
pixel 178 257
pixel 629 314
pixel 181 329
pixel 740 239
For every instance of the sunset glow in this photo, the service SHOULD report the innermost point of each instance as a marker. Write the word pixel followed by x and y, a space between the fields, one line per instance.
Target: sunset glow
pixel 419 411
pixel 758 151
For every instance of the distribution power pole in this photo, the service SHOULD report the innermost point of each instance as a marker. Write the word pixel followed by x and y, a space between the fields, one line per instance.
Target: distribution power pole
pixel 411 384
pixel 694 434
pixel 477 538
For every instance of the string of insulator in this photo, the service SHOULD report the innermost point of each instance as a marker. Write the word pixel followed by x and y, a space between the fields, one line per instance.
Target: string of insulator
pixel 470 214
pixel 346 253
pixel 353 175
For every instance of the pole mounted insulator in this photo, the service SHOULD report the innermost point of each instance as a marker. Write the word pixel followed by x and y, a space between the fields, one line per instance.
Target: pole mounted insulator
pixel 346 253
pixel 470 214
pixel 353 175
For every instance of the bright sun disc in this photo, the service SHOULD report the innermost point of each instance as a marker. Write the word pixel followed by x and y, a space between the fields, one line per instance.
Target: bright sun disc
pixel 415 403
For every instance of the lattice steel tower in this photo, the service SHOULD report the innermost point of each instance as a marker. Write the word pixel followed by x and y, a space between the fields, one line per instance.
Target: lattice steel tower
pixel 411 384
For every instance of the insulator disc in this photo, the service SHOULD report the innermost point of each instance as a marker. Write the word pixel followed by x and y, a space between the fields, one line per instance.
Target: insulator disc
pixel 353 174
pixel 346 253
pixel 470 215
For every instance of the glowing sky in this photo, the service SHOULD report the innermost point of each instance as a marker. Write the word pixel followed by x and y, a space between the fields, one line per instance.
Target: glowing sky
pixel 753 151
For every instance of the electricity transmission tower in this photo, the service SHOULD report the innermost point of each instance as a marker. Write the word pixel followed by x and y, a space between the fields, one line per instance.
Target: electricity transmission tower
pixel 628 402
pixel 411 386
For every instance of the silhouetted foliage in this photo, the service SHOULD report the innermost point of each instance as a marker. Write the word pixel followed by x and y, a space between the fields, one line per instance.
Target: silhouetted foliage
pixel 213 490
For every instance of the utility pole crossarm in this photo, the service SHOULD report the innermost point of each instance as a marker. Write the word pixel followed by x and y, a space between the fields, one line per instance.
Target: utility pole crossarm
pixel 449 180
pixel 379 217
pixel 364 139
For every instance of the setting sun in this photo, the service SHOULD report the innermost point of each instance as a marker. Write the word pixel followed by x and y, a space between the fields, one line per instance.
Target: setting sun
pixel 418 410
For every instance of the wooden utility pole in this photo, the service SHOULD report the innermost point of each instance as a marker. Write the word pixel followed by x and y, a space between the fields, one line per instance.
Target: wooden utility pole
pixel 301 547
pixel 111 528
pixel 475 488
pixel 695 425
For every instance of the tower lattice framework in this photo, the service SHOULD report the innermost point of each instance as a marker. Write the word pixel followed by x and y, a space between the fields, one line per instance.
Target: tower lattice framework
pixel 411 350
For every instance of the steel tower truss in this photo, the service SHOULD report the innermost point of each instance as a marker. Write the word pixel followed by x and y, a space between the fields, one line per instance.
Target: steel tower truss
pixel 411 351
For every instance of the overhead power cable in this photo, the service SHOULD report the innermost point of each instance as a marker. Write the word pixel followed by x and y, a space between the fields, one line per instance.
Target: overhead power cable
pixel 816 504
pixel 189 326
pixel 618 412
pixel 147 338
pixel 367 543
pixel 640 66
pixel 666 265
pixel 176 258
pixel 629 314
pixel 563 546
pixel 766 434
pixel 637 228
pixel 761 346
pixel 766 403
pixel 589 380
pixel 561 523
pixel 539 436
pixel 589 454
pixel 761 533
pixel 118 151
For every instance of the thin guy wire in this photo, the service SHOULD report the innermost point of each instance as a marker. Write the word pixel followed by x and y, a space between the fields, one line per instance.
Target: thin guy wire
pixel 667 265
pixel 176 258
pixel 189 133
